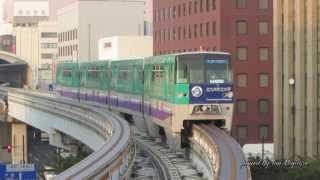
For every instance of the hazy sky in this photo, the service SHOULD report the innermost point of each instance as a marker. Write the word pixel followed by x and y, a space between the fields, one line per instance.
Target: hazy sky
pixel 1 1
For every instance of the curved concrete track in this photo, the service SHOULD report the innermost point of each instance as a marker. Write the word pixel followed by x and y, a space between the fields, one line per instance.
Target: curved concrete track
pixel 224 155
pixel 114 149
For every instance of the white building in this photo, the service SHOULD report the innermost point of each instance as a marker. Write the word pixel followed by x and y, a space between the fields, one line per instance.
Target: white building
pixel 30 13
pixel 125 47
pixel 38 45
pixel 81 24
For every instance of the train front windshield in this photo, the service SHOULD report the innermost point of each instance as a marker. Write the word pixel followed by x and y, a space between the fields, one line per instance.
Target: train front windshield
pixel 204 68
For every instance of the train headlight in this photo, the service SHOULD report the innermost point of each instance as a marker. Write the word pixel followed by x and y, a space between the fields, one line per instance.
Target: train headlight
pixel 196 91
pixel 228 95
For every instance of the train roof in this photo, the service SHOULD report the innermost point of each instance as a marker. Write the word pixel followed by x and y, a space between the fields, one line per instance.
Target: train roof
pixel 202 52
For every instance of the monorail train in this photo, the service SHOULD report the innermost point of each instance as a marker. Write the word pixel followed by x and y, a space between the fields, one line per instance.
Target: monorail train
pixel 167 90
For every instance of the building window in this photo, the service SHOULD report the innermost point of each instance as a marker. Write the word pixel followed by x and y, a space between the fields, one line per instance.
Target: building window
pixel 46 56
pixel 179 10
pixel 207 28
pixel 263 4
pixel 263 105
pixel 242 133
pixel 242 106
pixel 263 80
pixel 48 45
pixel 242 27
pixel 48 34
pixel 263 28
pixel 190 7
pixel 207 5
pixel 242 53
pixel 201 30
pixel 240 4
pixel 242 80
pixel 195 30
pixel 213 28
pixel 263 54
pixel 195 7
pixel 213 4
pixel 263 132
pixel 201 5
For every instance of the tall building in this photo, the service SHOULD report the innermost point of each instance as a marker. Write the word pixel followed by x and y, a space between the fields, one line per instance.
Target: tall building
pixel 82 23
pixel 241 27
pixel 297 79
pixel 38 45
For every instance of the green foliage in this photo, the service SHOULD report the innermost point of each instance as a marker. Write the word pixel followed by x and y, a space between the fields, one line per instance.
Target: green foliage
pixel 66 162
pixel 302 169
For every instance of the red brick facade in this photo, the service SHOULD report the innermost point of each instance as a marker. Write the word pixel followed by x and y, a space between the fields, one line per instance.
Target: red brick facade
pixel 241 27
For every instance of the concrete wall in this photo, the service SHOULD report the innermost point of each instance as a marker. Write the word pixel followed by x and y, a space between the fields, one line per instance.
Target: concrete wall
pixel 94 20
pixel 125 47
pixel 100 19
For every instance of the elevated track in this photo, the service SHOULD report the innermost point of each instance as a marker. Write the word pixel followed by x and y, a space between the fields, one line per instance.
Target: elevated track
pixel 111 159
pixel 222 154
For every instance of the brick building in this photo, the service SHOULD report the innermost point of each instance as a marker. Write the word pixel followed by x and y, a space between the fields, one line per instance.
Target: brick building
pixel 241 27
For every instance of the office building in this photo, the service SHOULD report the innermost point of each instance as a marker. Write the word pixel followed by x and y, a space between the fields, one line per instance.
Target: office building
pixel 240 27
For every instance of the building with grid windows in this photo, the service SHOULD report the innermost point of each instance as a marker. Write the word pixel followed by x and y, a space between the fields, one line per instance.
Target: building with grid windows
pixel 82 23
pixel 296 88
pixel 241 27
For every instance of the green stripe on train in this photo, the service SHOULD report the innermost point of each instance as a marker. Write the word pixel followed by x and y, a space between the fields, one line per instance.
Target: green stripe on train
pixel 127 76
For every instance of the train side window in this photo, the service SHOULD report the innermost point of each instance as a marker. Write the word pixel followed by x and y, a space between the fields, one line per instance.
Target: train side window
pixel 67 73
pixel 124 73
pixel 140 74
pixel 107 73
pixel 157 73
pixel 93 73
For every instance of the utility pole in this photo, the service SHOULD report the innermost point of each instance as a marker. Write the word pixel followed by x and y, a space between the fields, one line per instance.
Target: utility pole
pixel 262 147
pixel 89 38
pixel 23 155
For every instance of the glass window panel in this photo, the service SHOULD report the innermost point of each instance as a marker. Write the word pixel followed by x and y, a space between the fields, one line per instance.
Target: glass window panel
pixel 263 27
pixel 242 27
pixel 242 106
pixel 242 80
pixel 242 53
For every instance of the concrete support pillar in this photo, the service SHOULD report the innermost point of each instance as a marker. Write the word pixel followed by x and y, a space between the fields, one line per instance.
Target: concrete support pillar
pixel 57 139
pixel 312 115
pixel 278 78
pixel 288 62
pixel 5 139
pixel 173 140
pixel 153 128
pixel 140 123
pixel 300 60
pixel 19 143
